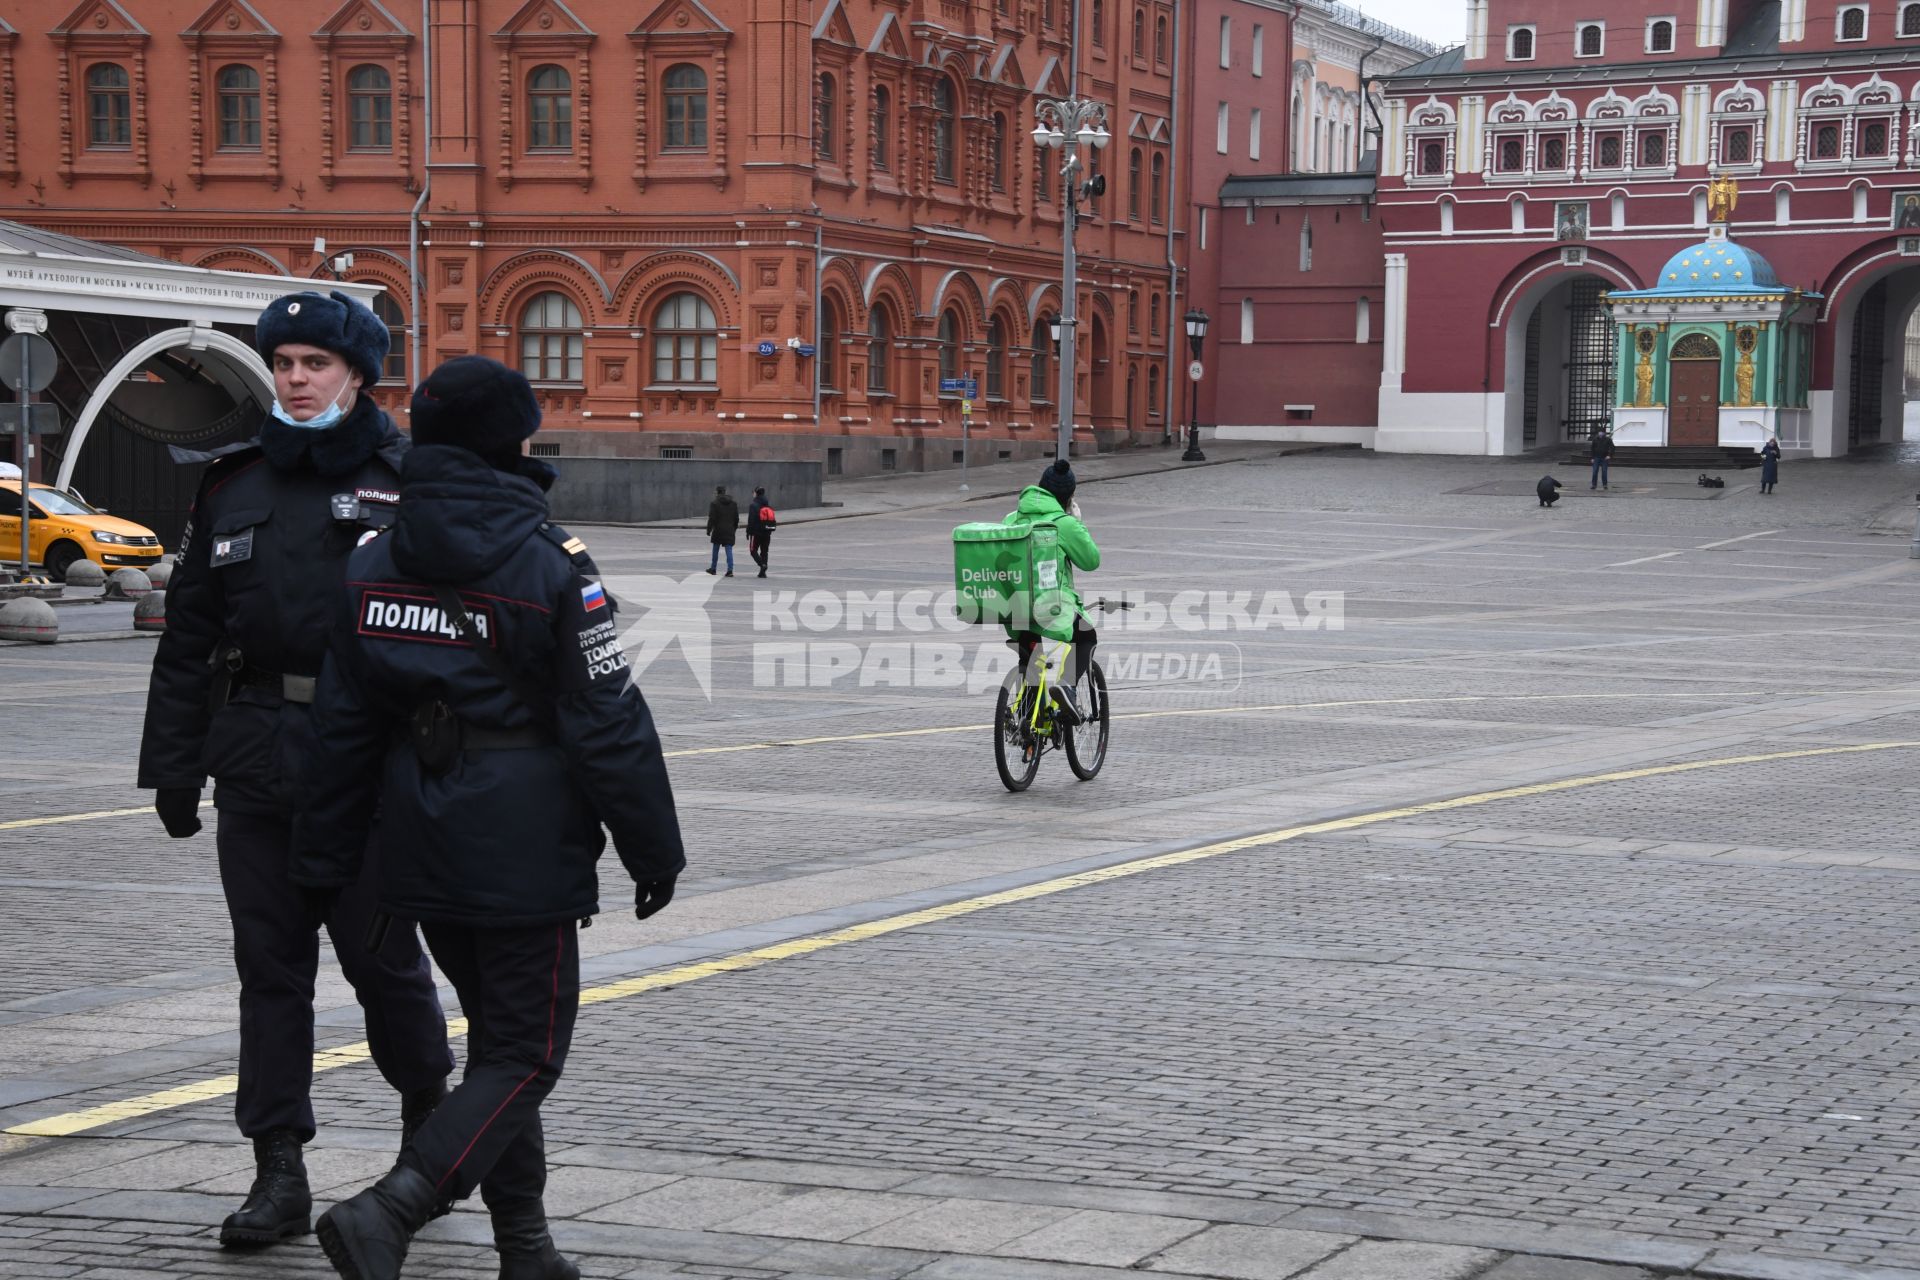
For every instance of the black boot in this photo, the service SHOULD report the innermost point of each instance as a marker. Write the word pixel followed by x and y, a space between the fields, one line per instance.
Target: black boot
pixel 415 1107
pixel 279 1205
pixel 366 1237
pixel 526 1250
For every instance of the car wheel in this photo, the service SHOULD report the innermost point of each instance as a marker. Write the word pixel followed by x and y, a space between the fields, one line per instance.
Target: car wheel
pixel 60 557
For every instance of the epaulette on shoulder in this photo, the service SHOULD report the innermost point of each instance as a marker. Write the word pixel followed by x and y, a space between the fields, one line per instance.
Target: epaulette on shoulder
pixel 574 549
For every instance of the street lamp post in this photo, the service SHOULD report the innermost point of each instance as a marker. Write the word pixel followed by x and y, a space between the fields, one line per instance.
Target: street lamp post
pixel 1196 338
pixel 1070 124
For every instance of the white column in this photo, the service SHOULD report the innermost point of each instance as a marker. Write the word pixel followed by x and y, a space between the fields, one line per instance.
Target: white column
pixel 1393 332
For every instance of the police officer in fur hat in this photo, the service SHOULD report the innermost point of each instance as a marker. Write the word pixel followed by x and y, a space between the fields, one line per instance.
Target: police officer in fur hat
pixel 261 561
pixel 476 698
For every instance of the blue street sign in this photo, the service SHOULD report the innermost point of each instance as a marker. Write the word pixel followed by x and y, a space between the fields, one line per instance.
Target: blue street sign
pixel 966 387
pixel 805 349
pixel 767 348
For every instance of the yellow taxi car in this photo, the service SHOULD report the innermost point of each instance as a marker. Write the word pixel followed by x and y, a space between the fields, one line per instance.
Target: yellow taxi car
pixel 64 529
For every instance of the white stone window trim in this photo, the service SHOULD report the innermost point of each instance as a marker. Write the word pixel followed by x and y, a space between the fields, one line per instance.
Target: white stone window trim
pixel 1533 41
pixel 1673 33
pixel 1417 137
pixel 1900 31
pixel 1718 125
pixel 1590 146
pixel 1840 24
pixel 1636 130
pixel 1580 30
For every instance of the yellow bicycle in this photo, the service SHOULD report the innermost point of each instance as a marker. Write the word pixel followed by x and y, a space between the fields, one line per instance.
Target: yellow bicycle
pixel 1030 719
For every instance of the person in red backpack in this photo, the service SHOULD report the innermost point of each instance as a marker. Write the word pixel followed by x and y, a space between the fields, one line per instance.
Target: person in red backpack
pixel 760 527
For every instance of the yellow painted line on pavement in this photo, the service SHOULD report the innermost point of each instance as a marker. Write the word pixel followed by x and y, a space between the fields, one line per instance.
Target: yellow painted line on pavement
pixel 75 1122
pixel 734 748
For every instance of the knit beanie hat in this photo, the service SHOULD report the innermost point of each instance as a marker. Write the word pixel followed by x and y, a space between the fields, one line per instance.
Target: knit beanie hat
pixel 334 321
pixel 475 403
pixel 1058 480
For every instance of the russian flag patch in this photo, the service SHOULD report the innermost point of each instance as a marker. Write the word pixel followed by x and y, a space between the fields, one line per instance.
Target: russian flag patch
pixel 593 596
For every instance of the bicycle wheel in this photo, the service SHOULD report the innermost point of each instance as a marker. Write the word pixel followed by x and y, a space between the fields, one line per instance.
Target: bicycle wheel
pixel 1016 752
pixel 1087 741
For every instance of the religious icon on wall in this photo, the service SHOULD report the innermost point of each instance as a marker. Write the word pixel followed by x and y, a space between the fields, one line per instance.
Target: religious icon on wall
pixel 1906 210
pixel 1570 220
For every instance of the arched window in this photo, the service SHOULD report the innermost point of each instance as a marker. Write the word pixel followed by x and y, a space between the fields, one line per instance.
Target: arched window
pixel 549 109
pixel 686 341
pixel 826 348
pixel 1660 37
pixel 1306 244
pixel 1873 140
pixel 1521 43
pixel 997 359
pixel 1433 158
pixel 395 369
pixel 686 90
pixel 1133 381
pixel 879 348
pixel 1739 146
pixel 1100 23
pixel 1153 315
pixel 1853 24
pixel 946 127
pixel 824 101
pixel 949 340
pixel 369 109
pixel 553 344
pixel 882 129
pixel 1042 361
pixel 1153 389
pixel 1156 191
pixel 1910 20
pixel 1160 39
pixel 109 106
pixel 1133 311
pixel 997 160
pixel 1592 37
pixel 1140 33
pixel 238 88
pixel 1653 149
pixel 1133 185
pixel 1826 142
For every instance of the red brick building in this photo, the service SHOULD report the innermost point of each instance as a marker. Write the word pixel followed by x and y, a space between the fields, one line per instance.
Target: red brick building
pixel 739 227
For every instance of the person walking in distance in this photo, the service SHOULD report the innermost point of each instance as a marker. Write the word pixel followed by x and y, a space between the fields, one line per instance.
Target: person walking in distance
pixel 760 526
pixel 476 706
pixel 1601 449
pixel 249 610
pixel 1769 464
pixel 723 524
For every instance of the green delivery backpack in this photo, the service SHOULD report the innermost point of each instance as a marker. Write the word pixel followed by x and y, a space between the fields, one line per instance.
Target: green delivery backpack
pixel 1014 575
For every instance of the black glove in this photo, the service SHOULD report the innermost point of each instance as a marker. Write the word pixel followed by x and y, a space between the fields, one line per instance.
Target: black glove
pixel 649 896
pixel 179 810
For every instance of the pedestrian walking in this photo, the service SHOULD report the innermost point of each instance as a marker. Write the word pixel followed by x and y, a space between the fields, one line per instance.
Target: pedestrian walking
pixel 1601 448
pixel 476 701
pixel 723 523
pixel 249 610
pixel 761 523
pixel 1549 490
pixel 1769 464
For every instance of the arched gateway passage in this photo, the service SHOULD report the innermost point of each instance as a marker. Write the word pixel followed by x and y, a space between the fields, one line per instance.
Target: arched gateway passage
pixel 1560 358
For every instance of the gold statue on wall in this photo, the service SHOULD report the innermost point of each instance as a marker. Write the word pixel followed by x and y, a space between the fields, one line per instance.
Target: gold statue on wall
pixel 1744 342
pixel 1643 342
pixel 1723 193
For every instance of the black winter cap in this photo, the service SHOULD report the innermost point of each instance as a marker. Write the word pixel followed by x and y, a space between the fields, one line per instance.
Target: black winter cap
pixel 476 403
pixel 334 321
pixel 1058 480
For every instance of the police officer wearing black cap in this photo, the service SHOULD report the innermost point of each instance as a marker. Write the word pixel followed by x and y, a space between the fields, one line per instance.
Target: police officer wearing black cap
pixel 477 700
pixel 248 609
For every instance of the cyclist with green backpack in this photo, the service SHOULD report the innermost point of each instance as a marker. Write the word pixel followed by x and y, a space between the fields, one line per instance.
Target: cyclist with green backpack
pixel 1051 502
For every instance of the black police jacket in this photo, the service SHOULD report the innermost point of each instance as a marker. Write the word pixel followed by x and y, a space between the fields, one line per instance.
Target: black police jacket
pixel 255 580
pixel 509 835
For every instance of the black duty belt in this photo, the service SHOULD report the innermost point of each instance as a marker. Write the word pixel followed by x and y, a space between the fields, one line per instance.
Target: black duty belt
pixel 290 687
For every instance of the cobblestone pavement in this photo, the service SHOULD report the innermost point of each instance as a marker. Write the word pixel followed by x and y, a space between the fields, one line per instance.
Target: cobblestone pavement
pixel 1661 1023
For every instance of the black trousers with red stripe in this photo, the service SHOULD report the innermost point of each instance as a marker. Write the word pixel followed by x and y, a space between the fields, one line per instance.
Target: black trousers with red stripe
pixel 520 991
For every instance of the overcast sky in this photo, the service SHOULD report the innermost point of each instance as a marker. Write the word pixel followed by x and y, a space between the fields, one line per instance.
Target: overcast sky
pixel 1442 21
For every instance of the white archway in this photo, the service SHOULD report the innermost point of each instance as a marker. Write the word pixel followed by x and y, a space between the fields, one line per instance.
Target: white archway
pixel 233 364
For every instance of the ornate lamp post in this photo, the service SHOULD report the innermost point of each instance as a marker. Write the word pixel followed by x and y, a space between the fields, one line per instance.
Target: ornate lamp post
pixel 1070 124
pixel 1196 337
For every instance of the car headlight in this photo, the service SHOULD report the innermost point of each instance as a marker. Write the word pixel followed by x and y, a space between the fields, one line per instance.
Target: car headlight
pixel 109 539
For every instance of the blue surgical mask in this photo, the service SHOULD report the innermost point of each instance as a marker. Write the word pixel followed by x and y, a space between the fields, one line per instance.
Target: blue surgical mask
pixel 319 421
